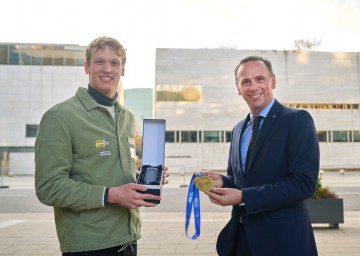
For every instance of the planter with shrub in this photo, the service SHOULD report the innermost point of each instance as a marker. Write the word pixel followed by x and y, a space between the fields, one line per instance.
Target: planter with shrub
pixel 325 206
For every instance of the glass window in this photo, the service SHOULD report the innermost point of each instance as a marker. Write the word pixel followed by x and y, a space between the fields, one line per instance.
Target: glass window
pixel 31 130
pixel 69 62
pixel 47 61
pixel 323 136
pixel 14 55
pixel 200 136
pixel 322 106
pixel 79 57
pixel 339 136
pixel 228 136
pixel 3 54
pixel 79 62
pixel 177 136
pixel 211 136
pixel 25 59
pixel 47 53
pixel 169 136
pixel 37 54
pixel 69 58
pixel 35 61
pixel 356 136
pixel 58 56
pixel 59 61
pixel 222 136
pixel 179 92
pixel 188 136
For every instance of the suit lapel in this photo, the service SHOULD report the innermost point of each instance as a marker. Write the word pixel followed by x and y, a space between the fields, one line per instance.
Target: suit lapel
pixel 238 146
pixel 268 122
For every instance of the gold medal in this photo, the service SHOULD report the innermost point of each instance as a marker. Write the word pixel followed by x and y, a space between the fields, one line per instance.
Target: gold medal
pixel 204 183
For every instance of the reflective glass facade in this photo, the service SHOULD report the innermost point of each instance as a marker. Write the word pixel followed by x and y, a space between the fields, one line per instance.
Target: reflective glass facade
pixel 40 54
pixel 179 92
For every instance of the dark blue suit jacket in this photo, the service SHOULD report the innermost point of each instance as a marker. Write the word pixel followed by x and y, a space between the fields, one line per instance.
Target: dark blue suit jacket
pixel 282 173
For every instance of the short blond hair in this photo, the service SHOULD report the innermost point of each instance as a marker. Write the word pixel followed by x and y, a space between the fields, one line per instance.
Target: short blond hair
pixel 100 43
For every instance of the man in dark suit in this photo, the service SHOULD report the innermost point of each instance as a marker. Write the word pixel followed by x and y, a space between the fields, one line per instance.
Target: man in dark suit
pixel 267 191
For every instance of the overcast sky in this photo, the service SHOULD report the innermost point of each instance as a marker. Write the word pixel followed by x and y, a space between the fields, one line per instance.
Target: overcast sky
pixel 144 25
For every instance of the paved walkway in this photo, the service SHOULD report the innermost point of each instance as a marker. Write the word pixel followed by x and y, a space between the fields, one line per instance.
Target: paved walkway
pixel 163 233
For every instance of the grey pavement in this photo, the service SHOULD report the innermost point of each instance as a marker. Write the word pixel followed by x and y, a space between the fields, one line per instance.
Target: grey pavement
pixel 163 232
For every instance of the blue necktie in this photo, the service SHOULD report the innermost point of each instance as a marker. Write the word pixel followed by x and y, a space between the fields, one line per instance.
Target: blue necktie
pixel 255 130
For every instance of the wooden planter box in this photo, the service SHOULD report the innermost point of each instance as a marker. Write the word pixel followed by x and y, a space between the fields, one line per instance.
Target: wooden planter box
pixel 328 210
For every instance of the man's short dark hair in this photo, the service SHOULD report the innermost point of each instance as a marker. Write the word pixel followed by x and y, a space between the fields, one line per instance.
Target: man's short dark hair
pixel 254 58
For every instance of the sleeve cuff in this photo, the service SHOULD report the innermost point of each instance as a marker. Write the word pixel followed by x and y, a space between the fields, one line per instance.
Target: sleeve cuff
pixel 106 194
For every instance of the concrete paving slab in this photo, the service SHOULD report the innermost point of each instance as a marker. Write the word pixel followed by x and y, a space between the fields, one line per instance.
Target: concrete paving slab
pixel 162 234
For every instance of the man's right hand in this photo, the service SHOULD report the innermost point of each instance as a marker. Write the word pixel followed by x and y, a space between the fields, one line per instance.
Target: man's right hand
pixel 128 196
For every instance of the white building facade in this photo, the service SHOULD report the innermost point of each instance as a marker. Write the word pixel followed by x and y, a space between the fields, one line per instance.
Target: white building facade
pixel 33 78
pixel 196 94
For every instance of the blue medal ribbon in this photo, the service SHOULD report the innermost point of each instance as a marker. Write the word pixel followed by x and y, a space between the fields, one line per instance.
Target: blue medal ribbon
pixel 193 201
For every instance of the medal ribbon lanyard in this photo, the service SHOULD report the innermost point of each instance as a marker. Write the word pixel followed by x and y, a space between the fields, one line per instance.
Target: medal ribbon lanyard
pixel 193 201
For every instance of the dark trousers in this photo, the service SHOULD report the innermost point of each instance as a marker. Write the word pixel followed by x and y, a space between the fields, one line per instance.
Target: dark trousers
pixel 114 251
pixel 241 245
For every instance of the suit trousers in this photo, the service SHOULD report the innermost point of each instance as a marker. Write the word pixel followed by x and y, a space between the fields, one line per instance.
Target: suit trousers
pixel 242 247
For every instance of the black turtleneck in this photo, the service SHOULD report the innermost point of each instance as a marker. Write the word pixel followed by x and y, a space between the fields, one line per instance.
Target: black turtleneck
pixel 101 99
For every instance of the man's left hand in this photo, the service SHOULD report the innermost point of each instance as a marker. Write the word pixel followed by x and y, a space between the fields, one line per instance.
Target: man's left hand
pixel 225 196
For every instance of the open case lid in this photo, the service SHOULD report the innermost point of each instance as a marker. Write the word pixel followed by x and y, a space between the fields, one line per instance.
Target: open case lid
pixel 153 142
pixel 151 173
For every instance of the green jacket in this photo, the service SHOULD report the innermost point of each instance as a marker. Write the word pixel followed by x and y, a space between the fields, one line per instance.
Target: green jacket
pixel 80 150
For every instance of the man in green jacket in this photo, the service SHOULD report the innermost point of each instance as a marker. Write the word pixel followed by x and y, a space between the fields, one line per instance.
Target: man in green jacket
pixel 85 162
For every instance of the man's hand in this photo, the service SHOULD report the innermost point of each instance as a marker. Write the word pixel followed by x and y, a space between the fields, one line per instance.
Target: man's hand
pixel 165 176
pixel 128 196
pixel 216 177
pixel 225 196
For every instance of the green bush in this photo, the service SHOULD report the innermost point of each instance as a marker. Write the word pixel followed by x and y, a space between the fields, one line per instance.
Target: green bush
pixel 323 192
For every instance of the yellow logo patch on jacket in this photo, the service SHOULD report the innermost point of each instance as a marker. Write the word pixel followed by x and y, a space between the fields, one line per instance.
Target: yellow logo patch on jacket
pixel 102 143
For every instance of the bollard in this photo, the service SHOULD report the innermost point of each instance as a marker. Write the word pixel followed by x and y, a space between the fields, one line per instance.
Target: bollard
pixel 4 158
